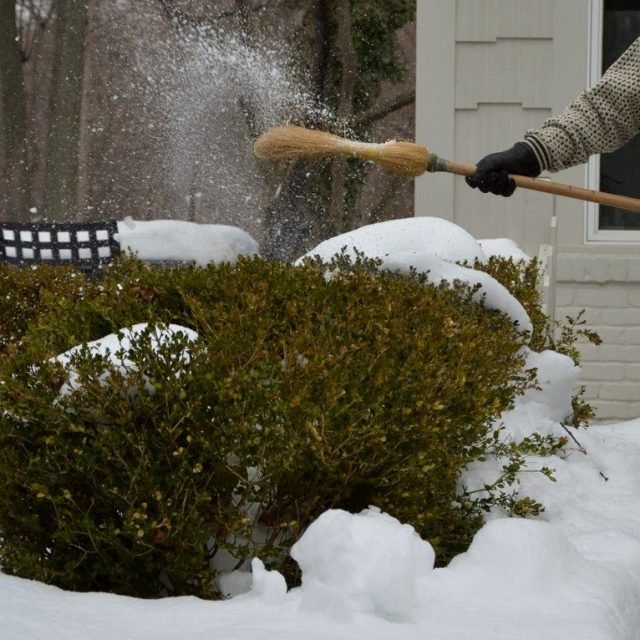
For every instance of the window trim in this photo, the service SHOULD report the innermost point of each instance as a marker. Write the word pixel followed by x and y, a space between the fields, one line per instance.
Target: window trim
pixel 594 235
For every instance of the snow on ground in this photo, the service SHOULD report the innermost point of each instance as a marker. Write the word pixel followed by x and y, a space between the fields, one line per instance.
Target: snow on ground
pixel 571 574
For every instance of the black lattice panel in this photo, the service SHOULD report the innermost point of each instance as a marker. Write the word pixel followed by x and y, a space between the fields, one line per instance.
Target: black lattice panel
pixel 88 245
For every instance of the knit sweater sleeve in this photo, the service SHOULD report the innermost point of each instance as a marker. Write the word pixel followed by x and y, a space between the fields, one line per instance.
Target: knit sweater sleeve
pixel 601 119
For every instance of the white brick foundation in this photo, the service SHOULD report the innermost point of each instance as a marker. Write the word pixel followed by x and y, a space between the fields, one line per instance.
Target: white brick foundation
pixel 608 289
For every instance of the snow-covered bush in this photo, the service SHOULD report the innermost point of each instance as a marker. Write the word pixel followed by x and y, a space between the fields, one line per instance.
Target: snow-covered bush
pixel 301 393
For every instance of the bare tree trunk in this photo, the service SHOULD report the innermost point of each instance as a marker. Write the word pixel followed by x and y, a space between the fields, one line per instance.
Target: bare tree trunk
pixel 13 167
pixel 320 62
pixel 61 196
pixel 348 63
pixel 84 137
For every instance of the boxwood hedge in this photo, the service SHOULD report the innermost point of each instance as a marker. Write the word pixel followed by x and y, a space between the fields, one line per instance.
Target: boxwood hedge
pixel 304 391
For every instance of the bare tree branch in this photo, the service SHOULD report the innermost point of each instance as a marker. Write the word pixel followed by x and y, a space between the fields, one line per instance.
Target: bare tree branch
pixel 382 110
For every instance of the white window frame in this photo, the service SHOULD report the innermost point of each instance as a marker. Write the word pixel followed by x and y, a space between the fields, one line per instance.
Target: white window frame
pixel 594 235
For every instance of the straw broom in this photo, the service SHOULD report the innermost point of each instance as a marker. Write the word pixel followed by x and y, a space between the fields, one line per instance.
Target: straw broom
pixel 405 158
pixel 289 143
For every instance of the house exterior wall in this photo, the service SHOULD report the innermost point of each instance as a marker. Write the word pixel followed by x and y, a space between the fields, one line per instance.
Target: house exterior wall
pixel 607 287
pixel 488 70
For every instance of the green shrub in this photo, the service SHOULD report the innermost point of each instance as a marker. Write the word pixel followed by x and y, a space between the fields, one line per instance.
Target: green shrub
pixel 522 280
pixel 27 294
pixel 303 393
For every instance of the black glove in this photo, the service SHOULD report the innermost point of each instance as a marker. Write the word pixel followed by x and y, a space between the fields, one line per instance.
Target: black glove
pixel 492 172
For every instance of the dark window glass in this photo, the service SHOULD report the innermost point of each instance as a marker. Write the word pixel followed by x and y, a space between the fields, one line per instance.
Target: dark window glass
pixel 620 171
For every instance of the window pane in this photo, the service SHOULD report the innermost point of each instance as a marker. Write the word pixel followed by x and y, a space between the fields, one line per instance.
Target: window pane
pixel 620 171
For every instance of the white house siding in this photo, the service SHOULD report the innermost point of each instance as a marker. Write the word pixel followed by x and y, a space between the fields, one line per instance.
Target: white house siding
pixel 488 70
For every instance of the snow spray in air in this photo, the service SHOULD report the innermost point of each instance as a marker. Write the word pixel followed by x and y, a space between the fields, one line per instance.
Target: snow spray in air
pixel 213 90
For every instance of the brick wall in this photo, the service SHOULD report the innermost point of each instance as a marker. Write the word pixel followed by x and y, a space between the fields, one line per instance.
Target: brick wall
pixel 608 288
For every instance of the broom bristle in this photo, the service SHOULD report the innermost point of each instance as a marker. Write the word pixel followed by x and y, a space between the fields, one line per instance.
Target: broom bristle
pixel 286 143
pixel 405 158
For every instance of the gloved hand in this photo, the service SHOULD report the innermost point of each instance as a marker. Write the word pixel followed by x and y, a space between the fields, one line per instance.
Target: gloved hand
pixel 492 172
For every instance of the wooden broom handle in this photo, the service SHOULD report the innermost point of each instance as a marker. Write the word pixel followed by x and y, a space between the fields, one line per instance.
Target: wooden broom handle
pixel 557 188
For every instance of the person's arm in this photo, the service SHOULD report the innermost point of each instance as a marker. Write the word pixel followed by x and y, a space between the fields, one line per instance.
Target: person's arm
pixel 601 119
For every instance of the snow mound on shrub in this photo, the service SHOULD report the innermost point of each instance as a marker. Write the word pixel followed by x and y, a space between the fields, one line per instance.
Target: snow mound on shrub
pixel 494 294
pixel 116 348
pixel 541 409
pixel 178 240
pixel 367 562
pixel 411 236
pixel 429 245
pixel 503 248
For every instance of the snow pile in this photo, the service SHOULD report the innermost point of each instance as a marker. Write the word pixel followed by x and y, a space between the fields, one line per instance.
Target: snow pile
pixel 527 579
pixel 572 573
pixel 177 240
pixel 430 245
pixel 368 563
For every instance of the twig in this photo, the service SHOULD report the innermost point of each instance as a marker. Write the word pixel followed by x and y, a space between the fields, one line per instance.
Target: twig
pixel 380 111
pixel 580 447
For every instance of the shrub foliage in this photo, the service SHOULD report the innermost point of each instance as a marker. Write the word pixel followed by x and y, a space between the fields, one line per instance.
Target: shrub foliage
pixel 302 393
pixel 522 281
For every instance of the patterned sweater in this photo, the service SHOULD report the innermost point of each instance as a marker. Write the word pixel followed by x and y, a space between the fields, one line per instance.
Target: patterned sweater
pixel 601 119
